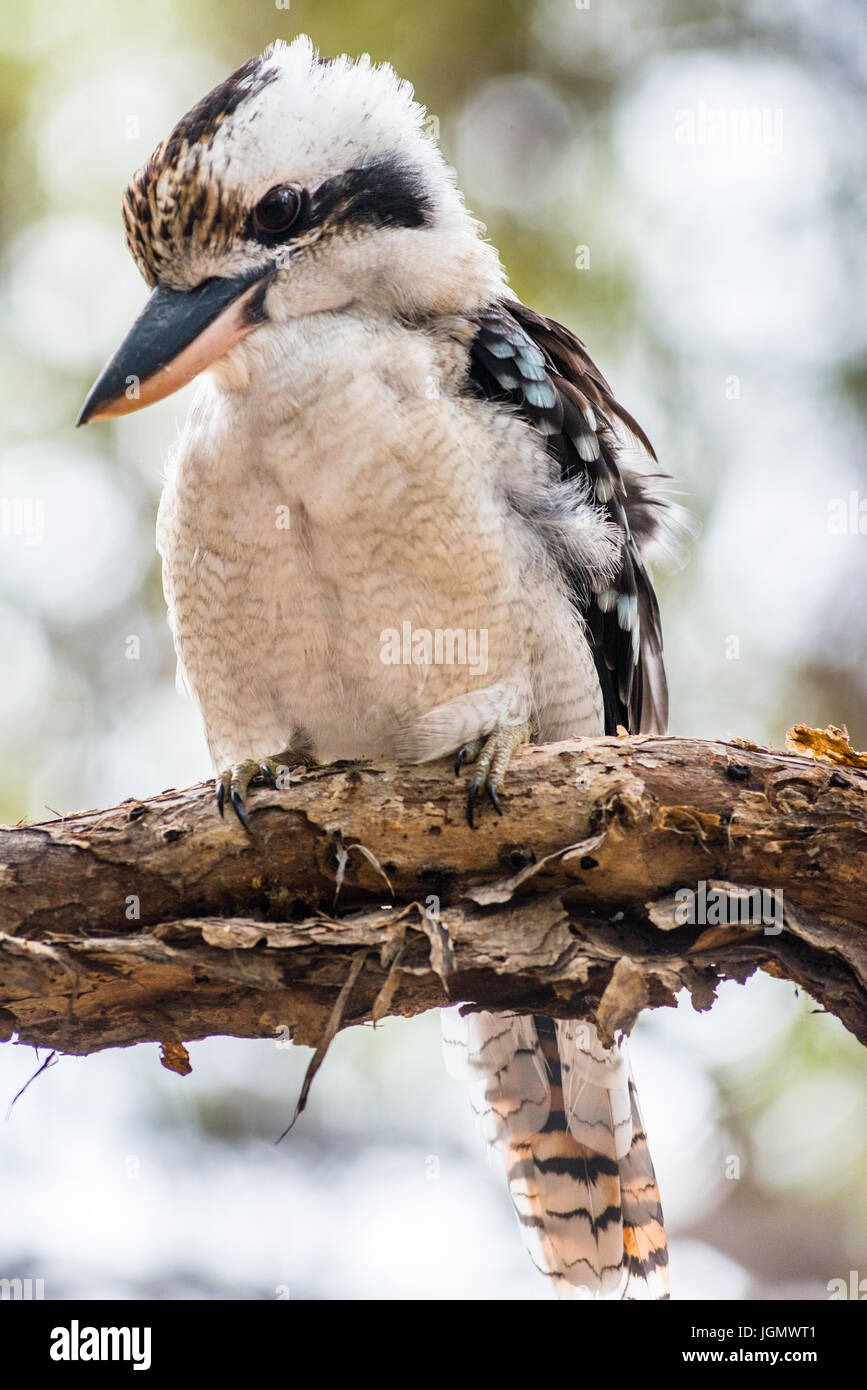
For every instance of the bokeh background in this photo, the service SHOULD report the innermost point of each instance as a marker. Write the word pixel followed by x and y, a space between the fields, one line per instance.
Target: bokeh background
pixel 684 184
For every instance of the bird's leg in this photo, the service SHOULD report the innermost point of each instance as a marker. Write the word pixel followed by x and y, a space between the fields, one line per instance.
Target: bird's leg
pixel 492 756
pixel 235 781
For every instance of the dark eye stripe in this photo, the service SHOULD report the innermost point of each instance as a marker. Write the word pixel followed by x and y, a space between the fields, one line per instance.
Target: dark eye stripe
pixel 386 194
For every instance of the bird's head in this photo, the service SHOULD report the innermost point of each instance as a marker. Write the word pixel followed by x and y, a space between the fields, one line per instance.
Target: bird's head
pixel 298 186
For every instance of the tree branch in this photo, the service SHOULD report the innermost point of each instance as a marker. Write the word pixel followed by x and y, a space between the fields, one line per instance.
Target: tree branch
pixel 159 921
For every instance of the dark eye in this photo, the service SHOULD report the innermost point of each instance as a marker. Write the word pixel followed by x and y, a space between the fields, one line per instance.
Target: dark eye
pixel 276 212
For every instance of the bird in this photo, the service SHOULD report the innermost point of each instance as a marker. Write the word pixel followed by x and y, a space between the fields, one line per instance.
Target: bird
pixel 405 518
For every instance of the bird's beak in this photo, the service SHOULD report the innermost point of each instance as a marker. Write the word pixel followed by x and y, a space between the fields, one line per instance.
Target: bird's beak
pixel 177 335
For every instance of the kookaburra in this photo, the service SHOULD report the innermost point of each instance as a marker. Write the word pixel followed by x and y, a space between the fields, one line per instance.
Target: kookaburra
pixel 405 519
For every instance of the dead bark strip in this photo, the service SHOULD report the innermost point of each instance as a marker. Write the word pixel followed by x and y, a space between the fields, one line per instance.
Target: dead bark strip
pixel 159 921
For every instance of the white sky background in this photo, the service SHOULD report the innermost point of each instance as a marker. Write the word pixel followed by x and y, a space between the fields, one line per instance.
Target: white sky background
pixel 125 1181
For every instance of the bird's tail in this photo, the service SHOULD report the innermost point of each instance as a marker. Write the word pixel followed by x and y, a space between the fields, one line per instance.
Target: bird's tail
pixel 563 1111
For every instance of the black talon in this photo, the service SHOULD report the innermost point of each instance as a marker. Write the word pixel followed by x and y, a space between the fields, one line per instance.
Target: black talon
pixel 471 801
pixel 268 774
pixel 221 795
pixel 494 799
pixel 238 805
pixel 460 758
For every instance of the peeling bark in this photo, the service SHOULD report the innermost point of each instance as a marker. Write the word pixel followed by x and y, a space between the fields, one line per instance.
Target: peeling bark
pixel 159 921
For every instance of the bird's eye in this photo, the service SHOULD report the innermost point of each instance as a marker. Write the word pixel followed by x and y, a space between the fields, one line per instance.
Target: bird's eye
pixel 276 212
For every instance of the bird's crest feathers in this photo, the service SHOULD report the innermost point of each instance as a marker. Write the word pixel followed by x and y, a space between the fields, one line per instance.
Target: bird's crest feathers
pixel 284 117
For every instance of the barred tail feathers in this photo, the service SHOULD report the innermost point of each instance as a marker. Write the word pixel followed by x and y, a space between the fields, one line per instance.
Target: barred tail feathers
pixel 645 1248
pixel 562 1110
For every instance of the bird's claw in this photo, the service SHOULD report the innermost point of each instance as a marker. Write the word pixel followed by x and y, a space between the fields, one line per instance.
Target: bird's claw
pixel 492 756
pixel 234 783
pixel 468 754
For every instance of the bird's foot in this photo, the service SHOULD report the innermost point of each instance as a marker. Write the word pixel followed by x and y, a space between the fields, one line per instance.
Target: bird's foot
pixel 492 756
pixel 233 784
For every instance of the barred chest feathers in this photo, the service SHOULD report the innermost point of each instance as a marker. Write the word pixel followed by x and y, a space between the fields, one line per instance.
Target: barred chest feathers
pixel 342 488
